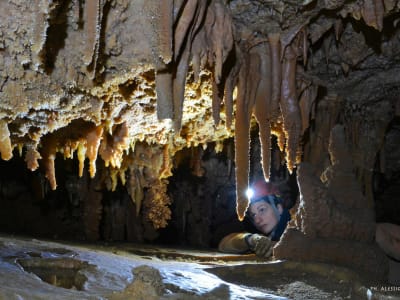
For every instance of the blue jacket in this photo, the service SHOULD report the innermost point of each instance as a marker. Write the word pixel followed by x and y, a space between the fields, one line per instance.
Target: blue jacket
pixel 281 226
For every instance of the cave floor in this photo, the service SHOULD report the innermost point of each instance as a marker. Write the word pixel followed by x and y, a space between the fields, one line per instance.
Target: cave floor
pixel 42 269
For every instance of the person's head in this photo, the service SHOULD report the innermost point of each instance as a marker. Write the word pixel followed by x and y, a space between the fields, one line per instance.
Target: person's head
pixel 265 206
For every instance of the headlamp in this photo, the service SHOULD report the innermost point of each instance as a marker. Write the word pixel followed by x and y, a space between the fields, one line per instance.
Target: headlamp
pixel 250 193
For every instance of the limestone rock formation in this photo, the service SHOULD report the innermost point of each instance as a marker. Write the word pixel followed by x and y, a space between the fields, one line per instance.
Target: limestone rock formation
pixel 124 88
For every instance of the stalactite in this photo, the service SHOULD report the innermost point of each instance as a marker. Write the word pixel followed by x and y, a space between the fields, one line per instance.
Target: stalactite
pixel 276 70
pixel 81 154
pixel 196 162
pixel 162 48
pixel 288 36
pixel 306 104
pixel 242 144
pixel 139 193
pixel 221 37
pixel 290 108
pixel 5 141
pixel 216 103
pixel 185 34
pixel 156 204
pixel 252 78
pixel 48 154
pixel 338 26
pixel 230 84
pixel 277 130
pixel 379 12
pixel 131 183
pixel 389 4
pixel 372 13
pixel 165 30
pixel 42 24
pixel 165 102
pixel 200 48
pixel 261 108
pixel 305 45
pixel 93 139
pixel 94 16
pixel 112 147
pixel 356 12
pixel 31 157
pixel 166 167
pixel 326 44
pixel 179 87
pixel 183 25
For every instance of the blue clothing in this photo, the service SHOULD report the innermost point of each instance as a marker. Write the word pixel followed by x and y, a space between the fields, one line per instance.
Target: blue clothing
pixel 281 226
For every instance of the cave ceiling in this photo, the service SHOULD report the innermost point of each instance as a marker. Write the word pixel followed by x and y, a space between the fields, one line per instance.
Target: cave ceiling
pixel 127 84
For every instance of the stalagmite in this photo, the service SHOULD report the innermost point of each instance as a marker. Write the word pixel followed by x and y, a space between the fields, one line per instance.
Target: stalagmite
pixel 5 142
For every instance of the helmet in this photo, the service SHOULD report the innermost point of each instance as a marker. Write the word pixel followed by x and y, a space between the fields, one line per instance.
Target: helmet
pixel 261 189
pixel 265 191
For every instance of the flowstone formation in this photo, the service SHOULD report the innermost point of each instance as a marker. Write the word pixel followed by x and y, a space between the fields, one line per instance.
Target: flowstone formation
pixel 332 222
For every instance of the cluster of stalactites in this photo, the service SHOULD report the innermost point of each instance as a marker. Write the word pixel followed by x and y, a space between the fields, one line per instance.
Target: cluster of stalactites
pixel 81 137
pixel 197 32
pixel 147 168
pixel 269 91
pixel 137 166
pixel 264 75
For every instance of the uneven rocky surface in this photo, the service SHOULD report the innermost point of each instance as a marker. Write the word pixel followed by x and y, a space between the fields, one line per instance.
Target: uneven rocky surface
pixel 40 269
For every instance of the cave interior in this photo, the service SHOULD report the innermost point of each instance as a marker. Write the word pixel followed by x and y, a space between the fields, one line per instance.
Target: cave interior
pixel 144 122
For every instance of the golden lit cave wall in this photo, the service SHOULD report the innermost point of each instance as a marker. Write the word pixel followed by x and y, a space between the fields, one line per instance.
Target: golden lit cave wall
pixel 96 78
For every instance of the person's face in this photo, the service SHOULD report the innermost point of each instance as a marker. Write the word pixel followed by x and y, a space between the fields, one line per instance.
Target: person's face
pixel 263 216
